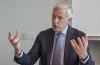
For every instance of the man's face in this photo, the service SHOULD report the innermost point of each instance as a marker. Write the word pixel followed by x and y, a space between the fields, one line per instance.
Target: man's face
pixel 59 20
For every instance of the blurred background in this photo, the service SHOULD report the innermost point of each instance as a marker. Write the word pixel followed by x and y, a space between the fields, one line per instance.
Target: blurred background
pixel 30 17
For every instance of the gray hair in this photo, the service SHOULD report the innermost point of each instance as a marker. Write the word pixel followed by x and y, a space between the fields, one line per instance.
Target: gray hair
pixel 68 9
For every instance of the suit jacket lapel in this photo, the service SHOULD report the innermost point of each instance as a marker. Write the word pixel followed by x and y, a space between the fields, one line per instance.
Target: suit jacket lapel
pixel 50 41
pixel 67 45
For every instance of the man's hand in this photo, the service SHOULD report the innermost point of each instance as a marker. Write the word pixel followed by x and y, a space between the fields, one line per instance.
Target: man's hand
pixel 15 41
pixel 80 47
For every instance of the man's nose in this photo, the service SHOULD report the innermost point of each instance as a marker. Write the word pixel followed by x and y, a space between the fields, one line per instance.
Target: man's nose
pixel 56 20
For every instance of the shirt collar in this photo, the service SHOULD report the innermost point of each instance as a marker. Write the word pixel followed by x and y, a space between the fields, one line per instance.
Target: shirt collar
pixel 64 30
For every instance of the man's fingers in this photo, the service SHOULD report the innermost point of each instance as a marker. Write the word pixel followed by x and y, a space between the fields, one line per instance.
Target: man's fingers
pixel 84 41
pixel 10 36
pixel 14 40
pixel 86 38
pixel 74 45
pixel 17 33
pixel 80 42
pixel 17 37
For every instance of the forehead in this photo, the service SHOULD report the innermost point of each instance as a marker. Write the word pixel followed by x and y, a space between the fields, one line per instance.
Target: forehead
pixel 61 12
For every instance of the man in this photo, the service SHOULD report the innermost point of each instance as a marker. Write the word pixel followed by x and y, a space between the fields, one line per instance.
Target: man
pixel 73 49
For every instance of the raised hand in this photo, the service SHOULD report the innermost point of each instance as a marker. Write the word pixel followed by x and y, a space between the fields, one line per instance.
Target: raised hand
pixel 15 41
pixel 80 47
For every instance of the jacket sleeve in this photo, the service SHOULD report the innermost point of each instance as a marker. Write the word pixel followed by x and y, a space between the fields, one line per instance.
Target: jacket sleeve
pixel 32 56
pixel 89 62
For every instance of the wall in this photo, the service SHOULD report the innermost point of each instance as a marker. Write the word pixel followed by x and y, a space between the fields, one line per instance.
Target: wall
pixel 95 50
pixel 86 16
pixel 27 16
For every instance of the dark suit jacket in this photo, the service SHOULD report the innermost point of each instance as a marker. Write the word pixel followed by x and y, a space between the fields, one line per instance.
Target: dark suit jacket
pixel 43 46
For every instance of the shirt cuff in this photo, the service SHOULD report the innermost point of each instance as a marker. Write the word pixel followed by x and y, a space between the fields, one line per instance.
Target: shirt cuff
pixel 85 60
pixel 19 55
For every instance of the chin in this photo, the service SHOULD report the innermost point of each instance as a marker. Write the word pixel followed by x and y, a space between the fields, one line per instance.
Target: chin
pixel 56 30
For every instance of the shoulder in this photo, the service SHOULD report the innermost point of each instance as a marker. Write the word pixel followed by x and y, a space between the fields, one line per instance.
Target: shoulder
pixel 76 32
pixel 46 32
pixel 49 30
pixel 79 32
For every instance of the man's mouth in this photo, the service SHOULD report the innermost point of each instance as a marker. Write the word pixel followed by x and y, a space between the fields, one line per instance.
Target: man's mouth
pixel 56 26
